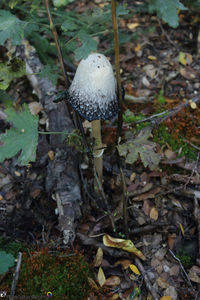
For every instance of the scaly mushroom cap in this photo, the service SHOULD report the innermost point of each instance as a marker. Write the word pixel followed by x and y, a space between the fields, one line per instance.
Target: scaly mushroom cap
pixel 93 92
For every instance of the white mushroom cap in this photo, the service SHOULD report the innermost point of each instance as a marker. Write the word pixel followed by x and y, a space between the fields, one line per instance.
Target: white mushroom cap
pixel 93 92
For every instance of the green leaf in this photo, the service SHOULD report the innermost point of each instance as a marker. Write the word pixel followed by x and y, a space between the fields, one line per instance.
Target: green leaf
pixel 51 72
pixel 69 25
pixel 11 28
pixel 131 149
pixel 6 261
pixel 22 136
pixel 88 45
pixel 167 10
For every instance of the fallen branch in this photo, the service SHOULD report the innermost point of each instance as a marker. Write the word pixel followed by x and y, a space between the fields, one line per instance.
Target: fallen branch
pixel 62 178
pixel 16 276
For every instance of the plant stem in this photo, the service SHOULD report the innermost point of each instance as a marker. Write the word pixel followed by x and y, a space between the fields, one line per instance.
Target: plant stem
pixel 117 66
pixel 97 153
pixel 55 35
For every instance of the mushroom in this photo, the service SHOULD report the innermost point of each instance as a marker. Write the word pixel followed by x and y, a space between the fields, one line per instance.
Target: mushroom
pixel 93 94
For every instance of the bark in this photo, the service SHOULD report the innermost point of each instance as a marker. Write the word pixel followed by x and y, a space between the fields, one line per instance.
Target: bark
pixel 62 172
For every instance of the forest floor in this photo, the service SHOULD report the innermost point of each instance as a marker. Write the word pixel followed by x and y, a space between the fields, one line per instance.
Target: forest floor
pixel 160 72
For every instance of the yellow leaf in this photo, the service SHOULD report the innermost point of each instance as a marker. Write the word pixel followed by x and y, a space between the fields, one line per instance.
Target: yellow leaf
pixel 182 230
pixel 185 58
pixel 126 245
pixel 132 26
pixel 151 57
pixel 98 258
pixel 154 214
pixel 137 48
pixel 101 277
pixel 166 298
pixel 134 269
pixel 193 104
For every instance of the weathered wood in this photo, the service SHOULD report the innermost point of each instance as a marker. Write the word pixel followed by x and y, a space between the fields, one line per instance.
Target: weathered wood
pixel 62 172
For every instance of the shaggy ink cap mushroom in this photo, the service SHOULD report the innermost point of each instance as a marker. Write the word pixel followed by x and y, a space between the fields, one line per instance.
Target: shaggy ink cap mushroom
pixel 93 92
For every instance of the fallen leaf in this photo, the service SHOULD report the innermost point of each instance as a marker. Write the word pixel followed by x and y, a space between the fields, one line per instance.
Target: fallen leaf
pixel 185 58
pixel 98 258
pixel 124 262
pixel 194 274
pixel 192 104
pixel 154 213
pixel 101 277
pixel 188 73
pixel 132 26
pixel 92 283
pixel 112 281
pixel 134 269
pixel 126 245
pixel 146 207
pixel 182 230
pixel 162 283
pixel 166 298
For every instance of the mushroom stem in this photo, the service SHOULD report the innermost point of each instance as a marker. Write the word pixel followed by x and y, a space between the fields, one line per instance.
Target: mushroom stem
pixel 97 153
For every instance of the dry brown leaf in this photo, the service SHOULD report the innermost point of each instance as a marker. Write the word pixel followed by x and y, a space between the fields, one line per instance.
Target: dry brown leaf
pixel 171 240
pixel 98 258
pixel 92 283
pixel 126 245
pixel 112 281
pixel 124 262
pixel 146 207
pixel 154 213
pixel 188 73
pixel 194 274
pixel 162 283
pixel 51 154
pixel 101 277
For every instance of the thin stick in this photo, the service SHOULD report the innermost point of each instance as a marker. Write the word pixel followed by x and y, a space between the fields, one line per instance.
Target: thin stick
pixel 119 127
pixel 55 35
pixel 117 66
pixel 16 276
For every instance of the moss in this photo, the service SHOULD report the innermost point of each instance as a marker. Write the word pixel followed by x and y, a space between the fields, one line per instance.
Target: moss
pixel 163 136
pixel 63 274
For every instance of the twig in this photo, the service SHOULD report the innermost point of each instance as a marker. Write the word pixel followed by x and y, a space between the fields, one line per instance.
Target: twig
pixel 181 266
pixel 16 276
pixel 55 35
pixel 117 66
pixel 146 279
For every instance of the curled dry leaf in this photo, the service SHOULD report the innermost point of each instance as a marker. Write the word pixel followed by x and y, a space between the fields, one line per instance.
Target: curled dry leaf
pixel 124 262
pixel 126 245
pixel 98 258
pixel 101 277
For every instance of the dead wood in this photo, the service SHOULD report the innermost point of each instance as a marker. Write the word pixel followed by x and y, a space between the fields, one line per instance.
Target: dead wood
pixel 62 179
